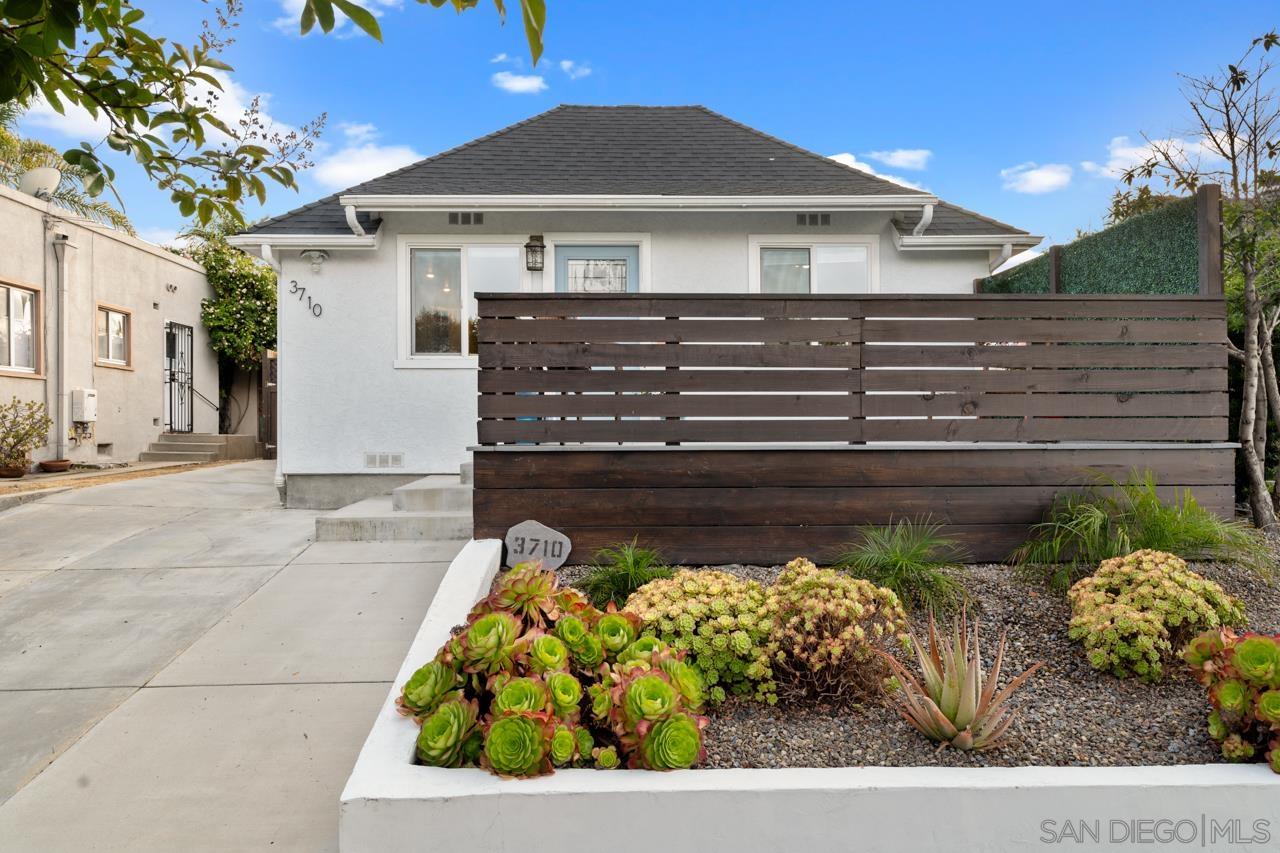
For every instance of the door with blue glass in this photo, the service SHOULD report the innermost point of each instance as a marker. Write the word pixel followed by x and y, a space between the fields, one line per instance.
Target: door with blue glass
pixel 597 269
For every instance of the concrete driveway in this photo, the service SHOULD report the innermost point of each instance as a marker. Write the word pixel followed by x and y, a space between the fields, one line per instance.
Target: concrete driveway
pixel 181 668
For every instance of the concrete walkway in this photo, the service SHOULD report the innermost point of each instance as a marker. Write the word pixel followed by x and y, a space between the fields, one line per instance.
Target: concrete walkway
pixel 181 668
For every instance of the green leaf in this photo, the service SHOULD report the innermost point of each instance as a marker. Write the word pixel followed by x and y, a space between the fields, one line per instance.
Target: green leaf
pixel 21 10
pixel 535 18
pixel 324 13
pixel 361 17
pixel 308 18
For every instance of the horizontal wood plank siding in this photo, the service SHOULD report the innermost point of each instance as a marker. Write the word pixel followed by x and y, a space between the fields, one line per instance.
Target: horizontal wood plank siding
pixel 606 384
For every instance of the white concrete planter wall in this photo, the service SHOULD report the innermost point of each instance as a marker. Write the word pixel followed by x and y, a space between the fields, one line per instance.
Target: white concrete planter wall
pixel 391 805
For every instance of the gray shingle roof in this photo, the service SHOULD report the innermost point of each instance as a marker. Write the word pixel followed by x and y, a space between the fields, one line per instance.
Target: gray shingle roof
pixel 953 219
pixel 623 150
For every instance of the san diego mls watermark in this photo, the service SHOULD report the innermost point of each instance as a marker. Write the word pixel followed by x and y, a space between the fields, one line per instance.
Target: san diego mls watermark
pixel 1200 831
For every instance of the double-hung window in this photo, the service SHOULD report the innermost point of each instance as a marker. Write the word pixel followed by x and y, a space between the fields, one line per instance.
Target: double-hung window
pixel 800 266
pixel 443 281
pixel 113 337
pixel 17 329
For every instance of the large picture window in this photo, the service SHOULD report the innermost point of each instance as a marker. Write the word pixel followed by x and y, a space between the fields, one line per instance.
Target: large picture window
pixel 113 337
pixel 443 282
pixel 17 329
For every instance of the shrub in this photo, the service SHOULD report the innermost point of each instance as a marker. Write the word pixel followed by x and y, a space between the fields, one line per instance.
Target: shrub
pixel 721 621
pixel 910 558
pixel 1136 611
pixel 538 678
pixel 1111 519
pixel 1242 677
pixel 827 630
pixel 957 703
pixel 619 571
pixel 23 428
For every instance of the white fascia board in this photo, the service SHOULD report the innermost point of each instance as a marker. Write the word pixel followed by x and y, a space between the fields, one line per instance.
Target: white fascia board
pixel 409 203
pixel 307 241
pixel 909 242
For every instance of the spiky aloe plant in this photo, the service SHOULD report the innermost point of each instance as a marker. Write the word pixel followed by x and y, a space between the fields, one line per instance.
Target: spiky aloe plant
pixel 957 704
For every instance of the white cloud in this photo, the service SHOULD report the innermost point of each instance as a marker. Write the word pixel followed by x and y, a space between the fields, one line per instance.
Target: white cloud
pixel 292 9
pixel 502 57
pixel 1035 179
pixel 1017 260
pixel 1123 154
pixel 360 158
pixel 519 84
pixel 848 159
pixel 76 124
pixel 575 70
pixel 903 158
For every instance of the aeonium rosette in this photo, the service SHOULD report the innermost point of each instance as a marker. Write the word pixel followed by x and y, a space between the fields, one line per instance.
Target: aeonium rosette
pixel 519 694
pixel 566 695
pixel 1257 658
pixel 617 630
pixel 427 688
pixel 672 743
pixel 449 736
pixel 547 653
pixel 519 744
pixel 489 644
pixel 529 593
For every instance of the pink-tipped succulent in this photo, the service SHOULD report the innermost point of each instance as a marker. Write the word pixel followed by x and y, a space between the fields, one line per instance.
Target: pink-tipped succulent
pixel 530 593
pixel 957 703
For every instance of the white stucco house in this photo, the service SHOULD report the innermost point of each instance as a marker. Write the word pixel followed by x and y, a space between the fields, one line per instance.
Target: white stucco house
pixel 377 374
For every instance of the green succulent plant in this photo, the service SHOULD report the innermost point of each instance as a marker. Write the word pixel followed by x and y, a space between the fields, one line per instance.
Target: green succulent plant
pixel 566 694
pixel 428 687
pixel 1231 696
pixel 643 649
pixel 686 679
pixel 529 593
pixel 519 744
pixel 586 743
pixel 672 743
pixel 1217 728
pixel 616 631
pixel 563 746
pixel 489 644
pixel 1202 649
pixel 548 653
pixel 1236 748
pixel 1257 658
pixel 445 734
pixel 1273 759
pixel 572 631
pixel 606 757
pixel 1267 708
pixel 521 694
pixel 957 703
pixel 601 701
pixel 647 696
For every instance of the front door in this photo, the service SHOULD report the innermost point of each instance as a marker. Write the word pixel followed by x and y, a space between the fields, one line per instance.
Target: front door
pixel 178 347
pixel 597 269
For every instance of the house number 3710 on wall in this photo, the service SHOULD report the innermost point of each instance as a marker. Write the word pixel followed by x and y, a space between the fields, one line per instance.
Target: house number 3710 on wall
pixel 314 307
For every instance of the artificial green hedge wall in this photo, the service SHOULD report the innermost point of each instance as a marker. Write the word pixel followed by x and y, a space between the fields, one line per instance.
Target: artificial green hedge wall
pixel 1156 253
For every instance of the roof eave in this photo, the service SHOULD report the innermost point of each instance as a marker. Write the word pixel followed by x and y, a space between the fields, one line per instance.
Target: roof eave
pixel 393 203
pixel 307 241
pixel 910 242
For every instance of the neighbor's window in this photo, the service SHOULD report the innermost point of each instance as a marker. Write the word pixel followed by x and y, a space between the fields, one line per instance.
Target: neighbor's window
pixel 113 336
pixel 819 268
pixel 442 287
pixel 17 329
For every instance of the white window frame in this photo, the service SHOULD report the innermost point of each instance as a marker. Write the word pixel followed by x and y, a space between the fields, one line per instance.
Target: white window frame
pixel 7 366
pixel 127 362
pixel 639 239
pixel 756 242
pixel 405 244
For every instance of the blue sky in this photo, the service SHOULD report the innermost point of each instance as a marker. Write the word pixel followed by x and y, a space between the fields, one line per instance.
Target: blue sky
pixel 1019 106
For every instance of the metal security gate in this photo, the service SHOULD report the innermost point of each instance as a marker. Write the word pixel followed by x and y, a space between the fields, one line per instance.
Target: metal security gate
pixel 178 344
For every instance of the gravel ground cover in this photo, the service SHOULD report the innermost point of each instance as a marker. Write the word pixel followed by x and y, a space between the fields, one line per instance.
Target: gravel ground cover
pixel 1068 714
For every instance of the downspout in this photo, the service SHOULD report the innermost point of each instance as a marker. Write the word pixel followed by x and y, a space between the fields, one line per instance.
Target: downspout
pixel 59 370
pixel 1006 252
pixel 352 222
pixel 925 218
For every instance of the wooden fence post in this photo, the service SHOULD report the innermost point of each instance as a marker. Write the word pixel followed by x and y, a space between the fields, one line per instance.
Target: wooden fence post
pixel 1209 238
pixel 1055 269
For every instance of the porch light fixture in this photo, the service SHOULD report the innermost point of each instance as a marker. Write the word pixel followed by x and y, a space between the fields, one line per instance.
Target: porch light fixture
pixel 534 252
pixel 315 257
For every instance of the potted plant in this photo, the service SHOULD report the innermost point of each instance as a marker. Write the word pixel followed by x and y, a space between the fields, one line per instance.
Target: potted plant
pixel 24 426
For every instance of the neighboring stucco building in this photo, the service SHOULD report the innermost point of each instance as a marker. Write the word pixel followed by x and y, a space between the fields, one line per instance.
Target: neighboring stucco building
pixel 377 375
pixel 86 308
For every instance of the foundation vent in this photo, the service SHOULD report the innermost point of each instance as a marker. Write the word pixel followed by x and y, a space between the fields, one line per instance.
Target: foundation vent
pixel 384 460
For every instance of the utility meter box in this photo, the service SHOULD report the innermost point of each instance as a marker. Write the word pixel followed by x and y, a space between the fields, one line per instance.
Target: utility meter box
pixel 84 405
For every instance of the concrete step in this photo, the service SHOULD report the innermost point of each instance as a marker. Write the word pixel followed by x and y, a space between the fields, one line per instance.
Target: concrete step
pixel 182 437
pixel 224 446
pixel 436 491
pixel 176 456
pixel 187 447
pixel 468 473
pixel 376 520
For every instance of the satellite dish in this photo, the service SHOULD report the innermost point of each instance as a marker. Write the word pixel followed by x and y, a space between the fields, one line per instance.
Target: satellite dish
pixel 41 182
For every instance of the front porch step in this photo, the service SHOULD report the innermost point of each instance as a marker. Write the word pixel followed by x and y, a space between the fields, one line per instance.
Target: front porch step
pixel 376 519
pixel 222 447
pixel 187 447
pixel 177 456
pixel 434 492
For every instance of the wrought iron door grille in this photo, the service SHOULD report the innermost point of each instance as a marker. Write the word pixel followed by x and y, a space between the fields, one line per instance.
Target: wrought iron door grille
pixel 178 345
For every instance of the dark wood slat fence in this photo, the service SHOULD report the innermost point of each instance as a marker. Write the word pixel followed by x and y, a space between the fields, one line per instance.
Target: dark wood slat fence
pixel 634 393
